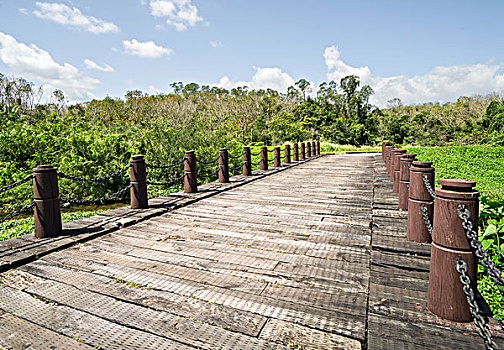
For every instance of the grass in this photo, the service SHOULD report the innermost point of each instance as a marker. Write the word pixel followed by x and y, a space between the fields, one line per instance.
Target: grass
pixel 19 227
pixel 485 165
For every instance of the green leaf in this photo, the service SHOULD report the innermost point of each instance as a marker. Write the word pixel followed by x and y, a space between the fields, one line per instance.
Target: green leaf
pixel 487 243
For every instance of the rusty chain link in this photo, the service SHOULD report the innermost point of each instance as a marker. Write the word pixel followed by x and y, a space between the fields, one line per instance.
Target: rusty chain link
pixel 210 175
pixel 428 186
pixel 16 184
pixel 255 154
pixel 97 200
pixel 480 321
pixel 236 157
pixel 256 163
pixel 94 179
pixel 236 168
pixel 209 162
pixel 155 166
pixel 169 183
pixel 464 214
pixel 17 212
pixel 426 218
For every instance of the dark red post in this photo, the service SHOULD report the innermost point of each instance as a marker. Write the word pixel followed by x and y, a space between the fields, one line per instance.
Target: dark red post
pixel 303 151
pixel 191 173
pixel 318 148
pixel 398 153
pixel 404 177
pixel 247 161
pixel 138 181
pixel 445 296
pixel 223 165
pixel 308 149
pixel 264 158
pixel 388 151
pixel 47 215
pixel 287 155
pixel 314 148
pixel 295 152
pixel 418 196
pixel 277 160
pixel 384 150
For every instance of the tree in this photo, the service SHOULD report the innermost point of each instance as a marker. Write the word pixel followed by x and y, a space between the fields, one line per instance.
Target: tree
pixel 303 86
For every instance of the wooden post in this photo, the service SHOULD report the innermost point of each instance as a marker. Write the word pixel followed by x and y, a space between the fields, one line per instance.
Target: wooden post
pixel 295 152
pixel 308 149
pixel 47 214
pixel 418 196
pixel 384 150
pixel 314 148
pixel 388 151
pixel 445 296
pixel 277 162
pixel 264 158
pixel 190 172
pixel 303 151
pixel 318 148
pixel 287 155
pixel 138 181
pixel 247 161
pixel 404 177
pixel 223 165
pixel 398 153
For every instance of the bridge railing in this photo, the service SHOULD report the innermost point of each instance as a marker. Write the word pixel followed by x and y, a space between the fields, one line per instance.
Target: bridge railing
pixel 447 218
pixel 46 197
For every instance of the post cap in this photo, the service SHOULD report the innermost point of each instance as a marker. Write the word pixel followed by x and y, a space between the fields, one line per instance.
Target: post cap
pixel 137 157
pixel 408 156
pixel 457 183
pixel 44 168
pixel 422 164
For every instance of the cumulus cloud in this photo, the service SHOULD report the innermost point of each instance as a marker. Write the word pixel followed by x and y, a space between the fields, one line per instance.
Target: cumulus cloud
pixel 178 13
pixel 146 49
pixel 34 63
pixel 92 65
pixel 215 43
pixel 73 17
pixel 442 83
pixel 264 78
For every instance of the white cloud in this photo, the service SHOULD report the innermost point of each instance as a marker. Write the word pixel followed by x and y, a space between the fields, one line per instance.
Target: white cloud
pixel 215 43
pixel 179 13
pixel 442 83
pixel 151 89
pixel 24 11
pixel 92 65
pixel 34 63
pixel 73 17
pixel 264 78
pixel 146 49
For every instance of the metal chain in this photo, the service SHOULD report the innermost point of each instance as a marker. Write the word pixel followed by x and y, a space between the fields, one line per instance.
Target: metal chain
pixel 94 179
pixel 16 184
pixel 259 162
pixel 169 183
pixel 210 175
pixel 271 160
pixel 17 212
pixel 255 154
pixel 428 186
pixel 426 218
pixel 236 157
pixel 480 321
pixel 165 166
pixel 236 168
pixel 273 150
pixel 464 214
pixel 210 162
pixel 97 200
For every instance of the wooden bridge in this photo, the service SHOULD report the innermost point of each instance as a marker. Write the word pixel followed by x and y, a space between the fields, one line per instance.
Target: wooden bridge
pixel 307 256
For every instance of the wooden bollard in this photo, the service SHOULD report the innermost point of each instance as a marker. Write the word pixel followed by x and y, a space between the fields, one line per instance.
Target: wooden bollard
pixel 47 213
pixel 445 296
pixel 308 149
pixel 303 151
pixel 314 148
pixel 318 148
pixel 264 158
pixel 404 177
pixel 418 196
pixel 223 165
pixel 277 160
pixel 398 153
pixel 247 161
pixel 190 173
pixel 384 150
pixel 295 152
pixel 287 155
pixel 138 181
pixel 388 152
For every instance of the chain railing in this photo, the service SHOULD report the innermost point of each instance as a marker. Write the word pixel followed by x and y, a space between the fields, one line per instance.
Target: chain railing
pixel 472 236
pixel 428 186
pixel 426 218
pixel 236 157
pixel 94 179
pixel 156 166
pixel 168 183
pixel 96 200
pixel 24 208
pixel 209 162
pixel 210 174
pixel 17 212
pixel 480 320
pixel 16 184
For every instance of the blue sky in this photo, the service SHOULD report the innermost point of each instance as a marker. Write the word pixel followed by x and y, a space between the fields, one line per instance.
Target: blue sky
pixel 415 50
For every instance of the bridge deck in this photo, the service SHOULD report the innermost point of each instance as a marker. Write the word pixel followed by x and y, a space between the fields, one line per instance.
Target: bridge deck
pixel 313 257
